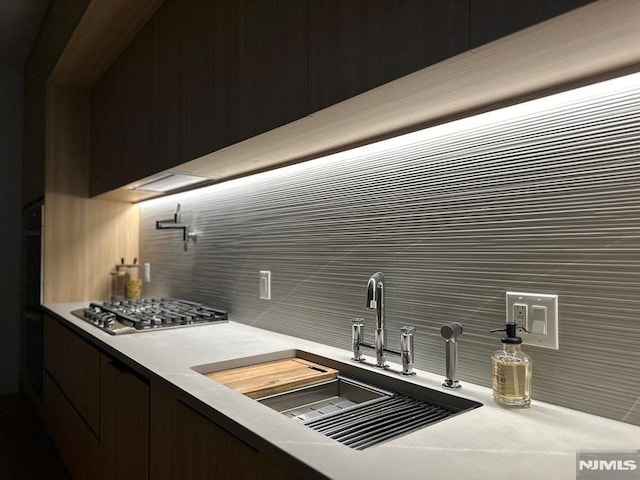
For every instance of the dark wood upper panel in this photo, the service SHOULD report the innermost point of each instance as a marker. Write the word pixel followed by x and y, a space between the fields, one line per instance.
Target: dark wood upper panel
pixel 272 64
pixel 206 74
pixel 409 35
pixel 200 76
pixel 358 45
pixel 337 51
pixel 492 19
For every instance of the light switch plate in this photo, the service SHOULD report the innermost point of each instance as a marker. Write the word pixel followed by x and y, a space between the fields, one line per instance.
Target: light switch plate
pixel 540 317
pixel 265 284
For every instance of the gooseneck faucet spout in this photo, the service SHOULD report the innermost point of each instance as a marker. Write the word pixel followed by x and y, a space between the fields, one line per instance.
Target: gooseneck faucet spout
pixel 375 297
pixel 174 224
pixel 375 301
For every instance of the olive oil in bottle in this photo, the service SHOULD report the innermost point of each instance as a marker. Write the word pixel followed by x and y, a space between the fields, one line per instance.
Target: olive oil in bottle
pixel 511 371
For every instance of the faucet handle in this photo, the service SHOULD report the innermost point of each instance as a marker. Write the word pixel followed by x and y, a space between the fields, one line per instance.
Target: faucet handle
pixel 407 349
pixel 357 337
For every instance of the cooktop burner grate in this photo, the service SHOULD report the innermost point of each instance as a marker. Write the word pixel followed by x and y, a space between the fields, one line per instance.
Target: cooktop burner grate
pixel 130 316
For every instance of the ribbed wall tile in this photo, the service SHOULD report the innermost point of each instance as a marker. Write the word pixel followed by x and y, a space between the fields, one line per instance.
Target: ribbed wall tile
pixel 546 202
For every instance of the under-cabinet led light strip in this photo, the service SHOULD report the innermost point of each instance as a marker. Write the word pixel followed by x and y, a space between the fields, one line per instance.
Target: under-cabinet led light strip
pixel 169 182
pixel 539 106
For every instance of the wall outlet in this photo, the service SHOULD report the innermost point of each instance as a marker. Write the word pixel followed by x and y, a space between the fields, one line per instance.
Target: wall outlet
pixel 147 272
pixel 265 284
pixel 537 313
pixel 521 314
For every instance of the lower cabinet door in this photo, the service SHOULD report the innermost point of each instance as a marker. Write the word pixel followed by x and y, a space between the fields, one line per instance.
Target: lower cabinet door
pixel 185 444
pixel 77 444
pixel 124 422
pixel 74 365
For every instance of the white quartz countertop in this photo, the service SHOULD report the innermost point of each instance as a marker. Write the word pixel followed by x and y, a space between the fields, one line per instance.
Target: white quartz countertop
pixel 486 443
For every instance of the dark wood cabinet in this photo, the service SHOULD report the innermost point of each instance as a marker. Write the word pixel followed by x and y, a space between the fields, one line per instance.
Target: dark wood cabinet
pixel 493 19
pixel 338 51
pixel 186 444
pixel 206 74
pixel 412 34
pixel 200 76
pixel 124 422
pixel 122 118
pixel 77 444
pixel 96 408
pixel 209 84
pixel 74 365
pixel 359 45
pixel 107 149
pixel 272 64
pixel 71 398
pixel 108 421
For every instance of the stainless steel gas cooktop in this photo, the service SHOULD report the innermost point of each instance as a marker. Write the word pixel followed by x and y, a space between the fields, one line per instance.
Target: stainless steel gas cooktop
pixel 132 316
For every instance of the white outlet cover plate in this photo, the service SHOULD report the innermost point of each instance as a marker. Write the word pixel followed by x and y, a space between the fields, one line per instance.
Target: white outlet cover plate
pixel 533 300
pixel 265 284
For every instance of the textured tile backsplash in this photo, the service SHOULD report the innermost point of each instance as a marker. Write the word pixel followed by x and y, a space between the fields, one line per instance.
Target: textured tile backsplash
pixel 547 202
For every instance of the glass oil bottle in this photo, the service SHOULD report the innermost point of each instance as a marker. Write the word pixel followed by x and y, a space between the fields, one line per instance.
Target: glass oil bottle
pixel 511 371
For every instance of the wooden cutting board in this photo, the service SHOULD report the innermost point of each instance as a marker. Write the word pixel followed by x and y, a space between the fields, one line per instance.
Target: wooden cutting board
pixel 269 378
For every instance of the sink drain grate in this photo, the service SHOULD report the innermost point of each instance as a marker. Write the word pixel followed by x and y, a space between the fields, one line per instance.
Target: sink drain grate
pixel 379 421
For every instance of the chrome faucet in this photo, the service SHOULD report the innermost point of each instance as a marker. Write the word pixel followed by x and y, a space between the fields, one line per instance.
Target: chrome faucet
pixel 375 301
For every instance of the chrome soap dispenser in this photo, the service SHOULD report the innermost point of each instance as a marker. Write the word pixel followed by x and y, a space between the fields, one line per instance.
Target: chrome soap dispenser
pixel 511 371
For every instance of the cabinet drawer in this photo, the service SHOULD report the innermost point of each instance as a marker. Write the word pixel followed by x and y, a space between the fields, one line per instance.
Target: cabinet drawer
pixel 75 442
pixel 186 444
pixel 74 365
pixel 124 426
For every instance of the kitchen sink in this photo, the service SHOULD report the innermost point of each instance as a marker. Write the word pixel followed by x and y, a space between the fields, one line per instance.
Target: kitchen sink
pixel 359 408
pixel 337 395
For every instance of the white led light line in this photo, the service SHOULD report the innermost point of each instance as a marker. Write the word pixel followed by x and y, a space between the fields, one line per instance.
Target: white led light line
pixel 511 113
